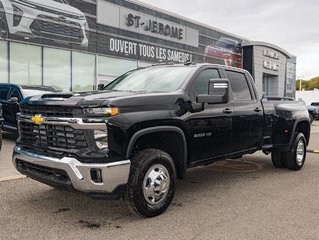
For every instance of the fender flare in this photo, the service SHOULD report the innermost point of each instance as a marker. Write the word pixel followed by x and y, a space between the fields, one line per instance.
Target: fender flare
pixel 294 130
pixel 149 130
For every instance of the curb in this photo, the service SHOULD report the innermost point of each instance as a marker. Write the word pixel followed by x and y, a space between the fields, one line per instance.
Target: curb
pixel 313 151
pixel 9 178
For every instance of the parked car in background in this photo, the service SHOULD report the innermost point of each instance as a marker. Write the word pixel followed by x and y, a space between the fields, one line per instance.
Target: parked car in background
pixel 313 113
pixel 10 97
pixel 315 104
pixel 1 123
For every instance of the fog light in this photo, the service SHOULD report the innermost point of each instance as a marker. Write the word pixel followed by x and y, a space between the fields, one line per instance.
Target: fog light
pixel 17 15
pixel 96 175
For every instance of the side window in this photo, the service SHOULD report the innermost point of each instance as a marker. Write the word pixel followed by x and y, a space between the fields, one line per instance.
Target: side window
pixel 239 85
pixel 200 86
pixel 4 91
pixel 14 93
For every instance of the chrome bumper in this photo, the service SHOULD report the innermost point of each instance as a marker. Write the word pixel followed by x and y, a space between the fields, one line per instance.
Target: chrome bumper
pixel 113 174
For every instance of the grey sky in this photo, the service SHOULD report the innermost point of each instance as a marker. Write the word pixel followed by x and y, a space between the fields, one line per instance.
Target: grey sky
pixel 290 24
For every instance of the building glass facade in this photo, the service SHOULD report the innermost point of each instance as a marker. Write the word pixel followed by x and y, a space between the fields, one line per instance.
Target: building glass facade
pixel 75 45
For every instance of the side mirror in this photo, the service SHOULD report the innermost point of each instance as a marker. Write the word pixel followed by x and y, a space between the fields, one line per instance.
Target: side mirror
pixel 100 86
pixel 218 92
pixel 14 100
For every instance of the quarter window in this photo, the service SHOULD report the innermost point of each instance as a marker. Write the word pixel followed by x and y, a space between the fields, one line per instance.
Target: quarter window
pixel 239 85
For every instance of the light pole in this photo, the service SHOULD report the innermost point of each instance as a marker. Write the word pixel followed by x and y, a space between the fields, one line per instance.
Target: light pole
pixel 300 82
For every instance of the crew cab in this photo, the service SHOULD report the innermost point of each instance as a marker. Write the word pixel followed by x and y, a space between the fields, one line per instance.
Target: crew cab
pixel 10 96
pixel 147 127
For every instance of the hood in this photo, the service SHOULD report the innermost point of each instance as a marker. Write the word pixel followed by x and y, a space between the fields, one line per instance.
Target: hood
pixel 61 7
pixel 128 101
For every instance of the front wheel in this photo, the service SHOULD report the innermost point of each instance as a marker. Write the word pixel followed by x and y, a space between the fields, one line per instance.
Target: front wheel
pixel 151 184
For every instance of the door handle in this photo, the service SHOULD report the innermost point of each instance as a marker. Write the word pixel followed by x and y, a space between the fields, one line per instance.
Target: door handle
pixel 228 111
pixel 257 109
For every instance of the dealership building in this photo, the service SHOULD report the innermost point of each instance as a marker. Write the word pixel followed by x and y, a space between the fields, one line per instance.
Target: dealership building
pixel 74 45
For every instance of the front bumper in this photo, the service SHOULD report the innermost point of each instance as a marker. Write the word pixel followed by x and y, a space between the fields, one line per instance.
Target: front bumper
pixel 77 175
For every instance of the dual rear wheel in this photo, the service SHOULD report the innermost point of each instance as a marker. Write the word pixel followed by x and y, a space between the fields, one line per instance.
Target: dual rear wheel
pixel 295 159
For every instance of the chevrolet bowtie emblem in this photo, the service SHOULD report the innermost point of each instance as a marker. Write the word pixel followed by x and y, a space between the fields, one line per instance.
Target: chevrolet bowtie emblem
pixel 37 119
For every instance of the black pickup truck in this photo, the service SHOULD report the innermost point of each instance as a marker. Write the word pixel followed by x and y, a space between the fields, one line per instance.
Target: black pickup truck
pixel 147 127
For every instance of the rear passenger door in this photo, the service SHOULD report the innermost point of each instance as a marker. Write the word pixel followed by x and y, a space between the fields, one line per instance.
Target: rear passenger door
pixel 248 112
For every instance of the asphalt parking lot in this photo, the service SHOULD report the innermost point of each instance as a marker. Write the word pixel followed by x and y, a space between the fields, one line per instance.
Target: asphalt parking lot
pixel 235 199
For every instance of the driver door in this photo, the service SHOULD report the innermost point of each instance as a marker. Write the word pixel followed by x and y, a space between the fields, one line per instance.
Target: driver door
pixel 211 128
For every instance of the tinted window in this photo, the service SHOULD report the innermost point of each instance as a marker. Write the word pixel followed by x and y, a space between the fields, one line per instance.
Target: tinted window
pixel 201 82
pixel 4 93
pixel 239 86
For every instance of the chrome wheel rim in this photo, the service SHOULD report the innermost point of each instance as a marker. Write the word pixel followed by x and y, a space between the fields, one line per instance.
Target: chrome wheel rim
pixel 300 153
pixel 156 184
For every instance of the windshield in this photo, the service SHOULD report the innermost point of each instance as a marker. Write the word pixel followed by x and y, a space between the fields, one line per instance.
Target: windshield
pixel 153 79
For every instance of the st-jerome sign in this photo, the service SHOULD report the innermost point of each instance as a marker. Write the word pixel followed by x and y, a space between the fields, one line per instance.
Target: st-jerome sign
pixel 154 26
pixel 124 18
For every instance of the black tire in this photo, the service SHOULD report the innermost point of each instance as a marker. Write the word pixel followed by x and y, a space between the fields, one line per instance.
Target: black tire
pixel 311 118
pixel 142 163
pixel 292 160
pixel 4 30
pixel 278 159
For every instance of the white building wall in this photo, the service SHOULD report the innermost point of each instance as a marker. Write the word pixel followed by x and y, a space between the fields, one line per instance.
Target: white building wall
pixel 308 96
pixel 277 86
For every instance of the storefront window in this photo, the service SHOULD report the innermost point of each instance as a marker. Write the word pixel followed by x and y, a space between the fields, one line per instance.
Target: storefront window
pixel 25 64
pixel 83 71
pixel 3 62
pixel 57 68
pixel 114 67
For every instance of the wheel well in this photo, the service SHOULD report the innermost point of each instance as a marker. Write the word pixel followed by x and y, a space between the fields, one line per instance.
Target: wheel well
pixel 170 142
pixel 304 127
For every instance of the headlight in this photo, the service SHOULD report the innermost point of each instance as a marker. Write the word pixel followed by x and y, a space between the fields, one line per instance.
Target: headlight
pixel 82 17
pixel 101 112
pixel 17 15
pixel 100 137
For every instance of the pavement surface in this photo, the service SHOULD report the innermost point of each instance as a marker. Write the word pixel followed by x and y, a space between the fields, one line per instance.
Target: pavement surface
pixel 7 171
pixel 234 199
